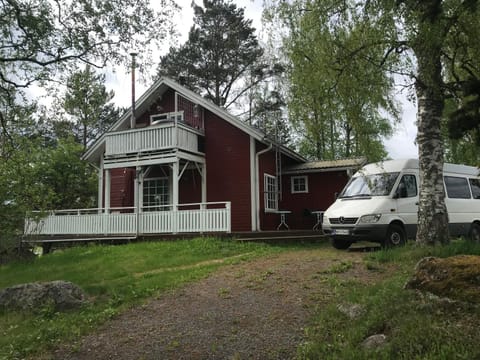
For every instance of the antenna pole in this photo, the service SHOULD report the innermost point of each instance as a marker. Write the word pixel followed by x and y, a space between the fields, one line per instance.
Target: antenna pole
pixel 133 120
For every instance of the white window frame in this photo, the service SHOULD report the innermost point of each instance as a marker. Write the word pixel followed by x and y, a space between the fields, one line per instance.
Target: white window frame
pixel 305 182
pixel 270 191
pixel 162 206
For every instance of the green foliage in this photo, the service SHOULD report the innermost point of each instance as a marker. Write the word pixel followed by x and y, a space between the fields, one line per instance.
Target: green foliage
pixel 35 177
pixel 339 112
pixel 221 50
pixel 86 100
pixel 115 278
pixel 462 120
pixel 416 326
pixel 40 37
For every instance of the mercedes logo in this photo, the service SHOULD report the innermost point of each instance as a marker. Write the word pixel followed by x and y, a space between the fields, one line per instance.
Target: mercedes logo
pixel 341 219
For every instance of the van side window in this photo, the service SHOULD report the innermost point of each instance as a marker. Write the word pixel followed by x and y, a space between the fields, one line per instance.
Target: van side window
pixel 475 185
pixel 407 186
pixel 457 187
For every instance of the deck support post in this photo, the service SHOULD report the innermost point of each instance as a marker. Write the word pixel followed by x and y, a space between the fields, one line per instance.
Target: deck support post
pixel 175 179
pixel 107 191
pixel 100 187
pixel 137 195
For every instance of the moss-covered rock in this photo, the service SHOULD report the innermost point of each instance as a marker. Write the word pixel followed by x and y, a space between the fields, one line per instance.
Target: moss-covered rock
pixel 456 277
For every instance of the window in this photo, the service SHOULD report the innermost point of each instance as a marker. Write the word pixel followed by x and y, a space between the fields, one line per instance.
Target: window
pixel 457 187
pixel 370 185
pixel 271 194
pixel 156 194
pixel 475 185
pixel 299 184
pixel 407 186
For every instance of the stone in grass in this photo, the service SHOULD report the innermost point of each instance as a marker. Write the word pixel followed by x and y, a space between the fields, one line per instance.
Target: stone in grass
pixel 455 277
pixel 352 311
pixel 61 295
pixel 374 342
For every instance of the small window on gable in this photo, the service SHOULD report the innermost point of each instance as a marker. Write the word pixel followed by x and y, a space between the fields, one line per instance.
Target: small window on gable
pixel 299 184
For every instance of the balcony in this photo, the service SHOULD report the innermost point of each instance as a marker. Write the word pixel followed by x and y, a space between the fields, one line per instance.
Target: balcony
pixel 167 132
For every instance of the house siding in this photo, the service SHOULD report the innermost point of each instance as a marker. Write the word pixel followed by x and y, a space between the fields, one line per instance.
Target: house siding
pixel 122 187
pixel 227 154
pixel 164 105
pixel 190 187
pixel 321 189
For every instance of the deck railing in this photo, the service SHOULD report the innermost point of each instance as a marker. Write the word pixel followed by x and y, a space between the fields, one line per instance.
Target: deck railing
pixel 152 138
pixel 185 218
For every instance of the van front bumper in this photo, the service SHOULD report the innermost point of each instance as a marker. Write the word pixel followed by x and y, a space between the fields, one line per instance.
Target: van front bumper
pixel 367 232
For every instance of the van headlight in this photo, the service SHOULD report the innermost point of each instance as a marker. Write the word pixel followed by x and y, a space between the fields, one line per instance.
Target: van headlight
pixel 370 219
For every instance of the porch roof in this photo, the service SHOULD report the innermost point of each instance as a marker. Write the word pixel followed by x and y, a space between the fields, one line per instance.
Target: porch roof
pixel 94 153
pixel 327 165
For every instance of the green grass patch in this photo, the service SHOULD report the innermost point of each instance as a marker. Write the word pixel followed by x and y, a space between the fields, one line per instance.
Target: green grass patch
pixel 416 326
pixel 115 278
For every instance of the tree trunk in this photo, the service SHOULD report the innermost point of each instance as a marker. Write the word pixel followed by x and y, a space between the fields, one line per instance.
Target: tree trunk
pixel 432 211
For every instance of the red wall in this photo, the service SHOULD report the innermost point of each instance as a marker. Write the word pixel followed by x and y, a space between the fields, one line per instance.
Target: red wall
pixel 190 187
pixel 227 153
pixel 322 187
pixel 122 187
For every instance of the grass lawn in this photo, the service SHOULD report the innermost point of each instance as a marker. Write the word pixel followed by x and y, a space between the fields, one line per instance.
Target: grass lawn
pixel 416 326
pixel 114 277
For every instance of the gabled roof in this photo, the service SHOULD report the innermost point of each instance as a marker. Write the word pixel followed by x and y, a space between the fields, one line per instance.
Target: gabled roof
pixel 95 151
pixel 328 165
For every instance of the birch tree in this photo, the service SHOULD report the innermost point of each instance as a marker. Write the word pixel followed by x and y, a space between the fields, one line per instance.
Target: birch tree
pixel 418 35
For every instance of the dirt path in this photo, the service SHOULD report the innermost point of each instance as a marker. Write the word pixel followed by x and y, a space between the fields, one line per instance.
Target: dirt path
pixel 253 310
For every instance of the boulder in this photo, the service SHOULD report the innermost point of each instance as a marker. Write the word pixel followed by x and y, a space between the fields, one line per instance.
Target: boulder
pixel 352 311
pixel 455 277
pixel 374 341
pixel 61 295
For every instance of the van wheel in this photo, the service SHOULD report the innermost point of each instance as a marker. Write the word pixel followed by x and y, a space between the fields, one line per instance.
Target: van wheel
pixel 395 236
pixel 475 233
pixel 341 244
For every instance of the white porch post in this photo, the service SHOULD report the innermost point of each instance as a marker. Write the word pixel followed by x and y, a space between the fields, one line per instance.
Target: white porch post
pixel 175 179
pixel 100 187
pixel 204 183
pixel 107 191
pixel 137 196
pixel 253 186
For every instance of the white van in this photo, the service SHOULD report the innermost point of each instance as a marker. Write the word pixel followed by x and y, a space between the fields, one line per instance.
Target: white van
pixel 380 204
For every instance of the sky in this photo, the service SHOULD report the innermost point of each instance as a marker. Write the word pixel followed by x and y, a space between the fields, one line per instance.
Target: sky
pixel 400 146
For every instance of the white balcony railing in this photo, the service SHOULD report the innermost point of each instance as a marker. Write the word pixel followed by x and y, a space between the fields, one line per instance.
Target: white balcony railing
pixel 187 218
pixel 152 138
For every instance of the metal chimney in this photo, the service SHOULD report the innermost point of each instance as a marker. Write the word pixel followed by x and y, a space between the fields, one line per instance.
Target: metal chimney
pixel 132 119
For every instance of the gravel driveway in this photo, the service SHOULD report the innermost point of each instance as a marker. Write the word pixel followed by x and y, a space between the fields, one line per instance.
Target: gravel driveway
pixel 251 310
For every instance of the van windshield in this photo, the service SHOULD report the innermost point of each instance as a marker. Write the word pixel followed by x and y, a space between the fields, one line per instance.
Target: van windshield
pixel 370 185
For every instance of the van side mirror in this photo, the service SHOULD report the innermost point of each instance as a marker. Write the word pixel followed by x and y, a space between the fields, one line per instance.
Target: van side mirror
pixel 335 195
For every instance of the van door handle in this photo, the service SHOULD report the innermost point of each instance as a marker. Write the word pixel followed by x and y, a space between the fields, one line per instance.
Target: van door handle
pixel 416 203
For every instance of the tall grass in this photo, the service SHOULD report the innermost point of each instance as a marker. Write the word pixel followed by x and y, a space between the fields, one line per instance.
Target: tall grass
pixel 417 326
pixel 114 277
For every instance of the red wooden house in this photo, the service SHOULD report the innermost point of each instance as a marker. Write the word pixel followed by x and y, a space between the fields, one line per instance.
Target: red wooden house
pixel 182 164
